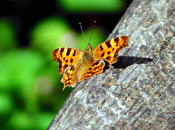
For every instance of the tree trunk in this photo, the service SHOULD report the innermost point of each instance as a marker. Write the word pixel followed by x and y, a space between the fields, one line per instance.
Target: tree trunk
pixel 139 93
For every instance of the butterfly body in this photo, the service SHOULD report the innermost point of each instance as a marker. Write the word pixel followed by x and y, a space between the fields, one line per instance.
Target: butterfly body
pixel 78 65
pixel 87 55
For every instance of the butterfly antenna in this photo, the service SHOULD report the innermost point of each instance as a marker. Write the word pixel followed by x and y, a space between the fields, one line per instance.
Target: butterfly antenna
pixel 92 31
pixel 83 33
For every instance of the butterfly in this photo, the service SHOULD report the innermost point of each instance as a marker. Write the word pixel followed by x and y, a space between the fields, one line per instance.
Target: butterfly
pixel 78 65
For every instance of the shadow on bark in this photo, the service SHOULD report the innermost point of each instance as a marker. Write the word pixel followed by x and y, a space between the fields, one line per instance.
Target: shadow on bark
pixel 125 61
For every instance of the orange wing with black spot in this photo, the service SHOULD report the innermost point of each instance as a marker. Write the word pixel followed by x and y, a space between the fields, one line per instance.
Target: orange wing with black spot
pixel 70 77
pixel 109 50
pixel 66 57
pixel 96 67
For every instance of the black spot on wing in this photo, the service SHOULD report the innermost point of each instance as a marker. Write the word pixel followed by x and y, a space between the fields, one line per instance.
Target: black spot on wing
pixel 68 51
pixel 72 68
pixel 58 60
pixel 67 83
pixel 93 73
pixel 61 51
pixel 54 52
pixel 102 54
pixel 65 66
pixel 96 68
pixel 108 52
pixel 101 48
pixel 71 60
pixel 116 39
pixel 108 58
pixel 96 63
pixel 74 53
pixel 60 63
pixel 116 53
pixel 108 44
pixel 68 80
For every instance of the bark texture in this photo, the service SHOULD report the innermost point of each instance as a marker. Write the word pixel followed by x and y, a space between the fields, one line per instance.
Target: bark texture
pixel 139 93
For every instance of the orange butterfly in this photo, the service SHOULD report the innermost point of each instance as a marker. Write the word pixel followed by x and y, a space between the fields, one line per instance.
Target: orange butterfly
pixel 78 65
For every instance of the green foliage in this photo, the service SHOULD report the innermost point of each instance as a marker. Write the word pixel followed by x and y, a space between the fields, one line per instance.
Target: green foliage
pixel 7 34
pixel 48 34
pixel 6 103
pixel 91 5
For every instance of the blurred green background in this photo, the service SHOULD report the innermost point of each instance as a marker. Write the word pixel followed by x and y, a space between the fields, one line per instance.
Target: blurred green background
pixel 30 87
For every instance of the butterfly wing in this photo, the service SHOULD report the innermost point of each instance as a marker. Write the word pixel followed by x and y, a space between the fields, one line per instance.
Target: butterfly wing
pixel 108 50
pixel 66 57
pixel 75 73
pixel 70 77
pixel 95 68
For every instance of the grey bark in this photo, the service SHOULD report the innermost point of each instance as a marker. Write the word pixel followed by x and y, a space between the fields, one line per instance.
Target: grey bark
pixel 140 96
